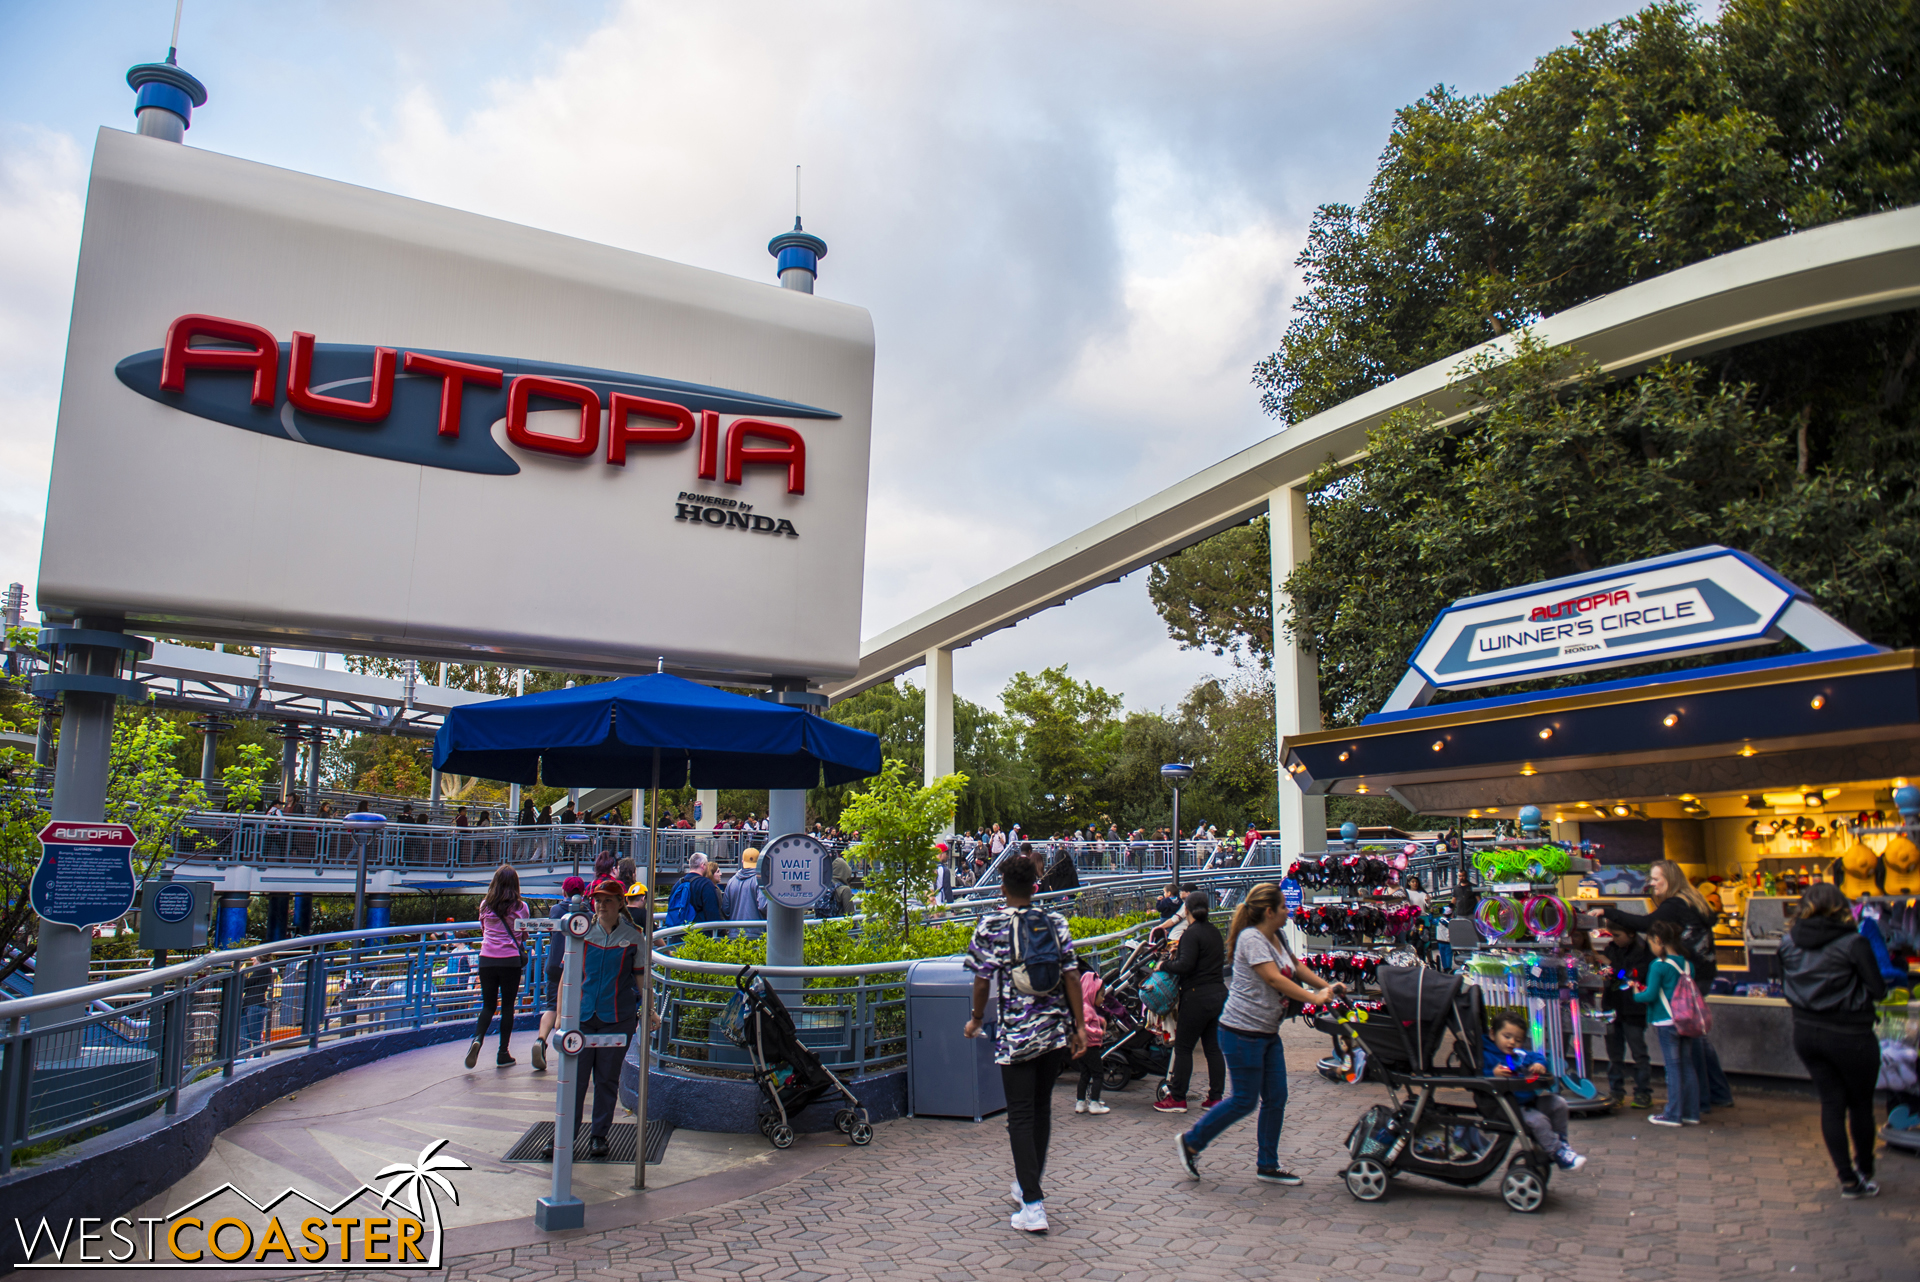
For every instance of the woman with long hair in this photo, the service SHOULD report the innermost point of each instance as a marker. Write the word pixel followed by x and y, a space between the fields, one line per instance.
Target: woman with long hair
pixel 501 961
pixel 1832 982
pixel 1676 900
pixel 1264 976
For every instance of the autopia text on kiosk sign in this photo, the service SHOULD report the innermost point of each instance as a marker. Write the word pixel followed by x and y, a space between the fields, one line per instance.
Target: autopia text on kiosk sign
pixel 438 408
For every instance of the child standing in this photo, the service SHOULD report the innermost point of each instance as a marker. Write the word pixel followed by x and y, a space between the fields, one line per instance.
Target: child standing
pixel 1087 1098
pixel 1627 958
pixel 1503 1055
pixel 1670 967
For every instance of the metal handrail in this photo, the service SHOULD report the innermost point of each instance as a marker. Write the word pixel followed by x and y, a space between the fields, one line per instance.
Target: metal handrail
pixel 109 1064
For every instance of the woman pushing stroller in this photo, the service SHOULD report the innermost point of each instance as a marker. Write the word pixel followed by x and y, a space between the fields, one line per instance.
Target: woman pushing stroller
pixel 1263 973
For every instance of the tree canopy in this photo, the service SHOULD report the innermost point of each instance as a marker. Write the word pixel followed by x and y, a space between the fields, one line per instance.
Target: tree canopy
pixel 1638 148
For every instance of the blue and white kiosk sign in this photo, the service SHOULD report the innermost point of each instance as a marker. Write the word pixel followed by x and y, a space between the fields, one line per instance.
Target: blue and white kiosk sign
pixel 795 870
pixel 85 877
pixel 1690 603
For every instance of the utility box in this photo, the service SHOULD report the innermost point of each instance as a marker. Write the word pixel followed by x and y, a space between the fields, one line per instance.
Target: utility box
pixel 174 914
pixel 948 1074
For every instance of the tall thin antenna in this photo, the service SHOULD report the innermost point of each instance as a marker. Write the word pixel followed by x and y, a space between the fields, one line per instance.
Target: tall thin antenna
pixel 796 195
pixel 173 45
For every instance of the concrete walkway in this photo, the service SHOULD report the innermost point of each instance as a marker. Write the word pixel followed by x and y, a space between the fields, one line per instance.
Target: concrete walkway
pixel 1747 1196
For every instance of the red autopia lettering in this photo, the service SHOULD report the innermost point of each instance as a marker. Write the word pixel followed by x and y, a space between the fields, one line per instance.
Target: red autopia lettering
pixel 1579 605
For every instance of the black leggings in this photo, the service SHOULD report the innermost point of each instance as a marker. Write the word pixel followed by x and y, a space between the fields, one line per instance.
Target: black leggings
pixel 1029 1089
pixel 1199 1022
pixel 1092 1076
pixel 1844 1066
pixel 499 988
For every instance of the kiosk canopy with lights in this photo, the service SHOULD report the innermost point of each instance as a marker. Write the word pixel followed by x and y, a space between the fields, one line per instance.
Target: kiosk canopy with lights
pixel 1756 777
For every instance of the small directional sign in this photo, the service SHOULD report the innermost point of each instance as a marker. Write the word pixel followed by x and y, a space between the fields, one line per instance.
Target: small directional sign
pixel 85 877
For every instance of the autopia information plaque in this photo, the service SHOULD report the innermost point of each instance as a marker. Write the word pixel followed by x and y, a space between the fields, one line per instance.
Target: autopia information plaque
pixel 1708 599
pixel 85 877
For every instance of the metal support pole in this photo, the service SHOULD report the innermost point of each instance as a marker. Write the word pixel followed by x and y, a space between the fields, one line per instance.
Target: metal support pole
pixel 209 757
pixel 786 927
pixel 560 1209
pixel 646 988
pixel 289 757
pixel 1176 835
pixel 79 793
pixel 316 742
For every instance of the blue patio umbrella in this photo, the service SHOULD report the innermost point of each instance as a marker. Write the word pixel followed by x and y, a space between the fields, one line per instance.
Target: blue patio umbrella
pixel 606 736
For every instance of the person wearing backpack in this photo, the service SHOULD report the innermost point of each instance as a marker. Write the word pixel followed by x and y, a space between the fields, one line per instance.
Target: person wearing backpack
pixel 1832 981
pixel 1198 963
pixel 1023 963
pixel 1676 900
pixel 1669 995
pixel 694 898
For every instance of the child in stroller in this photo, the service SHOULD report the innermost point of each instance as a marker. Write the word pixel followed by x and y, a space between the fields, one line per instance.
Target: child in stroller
pixel 1420 1133
pixel 1503 1055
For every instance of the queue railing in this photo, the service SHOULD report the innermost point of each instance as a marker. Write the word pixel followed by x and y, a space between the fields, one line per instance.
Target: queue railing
pixel 138 1040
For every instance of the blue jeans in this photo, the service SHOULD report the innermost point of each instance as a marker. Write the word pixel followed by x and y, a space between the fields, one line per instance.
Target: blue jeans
pixel 1257 1073
pixel 1715 1090
pixel 1683 1081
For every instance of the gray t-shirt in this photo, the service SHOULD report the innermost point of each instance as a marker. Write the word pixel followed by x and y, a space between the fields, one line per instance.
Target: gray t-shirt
pixel 1252 1005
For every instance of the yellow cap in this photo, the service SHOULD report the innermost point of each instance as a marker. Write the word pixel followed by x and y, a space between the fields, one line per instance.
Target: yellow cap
pixel 637 891
pixel 749 858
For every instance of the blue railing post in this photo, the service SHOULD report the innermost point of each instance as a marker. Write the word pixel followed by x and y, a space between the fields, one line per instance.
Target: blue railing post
pixel 12 1069
pixel 173 1043
pixel 228 1040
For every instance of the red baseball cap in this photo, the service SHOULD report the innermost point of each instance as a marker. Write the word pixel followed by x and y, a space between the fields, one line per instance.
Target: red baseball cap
pixel 572 886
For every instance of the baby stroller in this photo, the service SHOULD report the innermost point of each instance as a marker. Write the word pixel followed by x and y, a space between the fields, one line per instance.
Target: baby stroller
pixel 757 1021
pixel 1131 1049
pixel 1418 1133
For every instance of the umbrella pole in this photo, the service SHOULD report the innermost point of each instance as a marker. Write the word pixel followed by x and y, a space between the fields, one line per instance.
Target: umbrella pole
pixel 646 989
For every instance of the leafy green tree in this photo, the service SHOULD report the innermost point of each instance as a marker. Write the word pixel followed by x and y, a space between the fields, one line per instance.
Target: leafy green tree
pixel 1217 595
pixel 243 779
pixel 985 750
pixel 898 821
pixel 1068 734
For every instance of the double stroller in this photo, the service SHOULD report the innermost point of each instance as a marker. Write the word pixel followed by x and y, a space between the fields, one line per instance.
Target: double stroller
pixel 1419 1133
pixel 790 1076
pixel 1132 1049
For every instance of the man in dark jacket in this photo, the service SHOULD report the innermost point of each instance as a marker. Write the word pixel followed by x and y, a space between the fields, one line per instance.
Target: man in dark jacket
pixel 1199 963
pixel 1627 960
pixel 1832 981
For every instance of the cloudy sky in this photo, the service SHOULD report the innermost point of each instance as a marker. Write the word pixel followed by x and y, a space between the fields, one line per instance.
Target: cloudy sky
pixel 1074 223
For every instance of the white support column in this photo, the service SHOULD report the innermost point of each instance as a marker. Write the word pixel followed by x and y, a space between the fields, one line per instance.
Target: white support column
pixel 939 677
pixel 1296 676
pixel 708 800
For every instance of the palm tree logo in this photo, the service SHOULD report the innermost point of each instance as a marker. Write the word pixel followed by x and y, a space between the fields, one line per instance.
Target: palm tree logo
pixel 414 1182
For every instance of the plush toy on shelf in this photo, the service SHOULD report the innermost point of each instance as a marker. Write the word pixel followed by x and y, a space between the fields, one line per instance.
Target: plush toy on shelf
pixel 1857 871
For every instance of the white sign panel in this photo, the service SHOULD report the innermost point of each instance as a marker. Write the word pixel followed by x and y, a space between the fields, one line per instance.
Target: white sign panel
pixel 300 411
pixel 1708 599
pixel 795 870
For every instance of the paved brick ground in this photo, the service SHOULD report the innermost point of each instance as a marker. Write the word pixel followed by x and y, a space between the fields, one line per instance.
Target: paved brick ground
pixel 1749 1195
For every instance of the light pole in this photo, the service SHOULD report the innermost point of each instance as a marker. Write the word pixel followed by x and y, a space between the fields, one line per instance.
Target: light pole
pixel 1176 773
pixel 363 826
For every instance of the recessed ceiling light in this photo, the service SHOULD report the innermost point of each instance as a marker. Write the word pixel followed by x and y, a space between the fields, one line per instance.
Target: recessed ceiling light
pixel 1547 732
pixel 1818 702
pixel 1345 755
pixel 1671 720
pixel 1363 788
pixel 1747 750
pixel 1621 808
pixel 1528 769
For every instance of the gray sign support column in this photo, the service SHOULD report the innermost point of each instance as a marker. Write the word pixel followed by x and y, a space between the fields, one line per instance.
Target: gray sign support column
pixel 89 683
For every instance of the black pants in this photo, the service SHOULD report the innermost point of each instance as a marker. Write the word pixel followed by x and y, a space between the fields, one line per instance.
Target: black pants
pixel 1624 1037
pixel 1091 1075
pixel 1844 1064
pixel 1199 1022
pixel 499 989
pixel 602 1064
pixel 1029 1090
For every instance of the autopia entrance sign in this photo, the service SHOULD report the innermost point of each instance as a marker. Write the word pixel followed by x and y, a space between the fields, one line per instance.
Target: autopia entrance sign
pixel 299 412
pixel 1709 599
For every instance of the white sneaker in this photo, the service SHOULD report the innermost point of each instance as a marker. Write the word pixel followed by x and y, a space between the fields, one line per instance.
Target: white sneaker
pixel 1098 1106
pixel 1031 1217
pixel 1013 1191
pixel 1079 1106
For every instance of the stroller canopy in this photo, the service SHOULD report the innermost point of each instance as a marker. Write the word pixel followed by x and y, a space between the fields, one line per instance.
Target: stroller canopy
pixel 1418 1008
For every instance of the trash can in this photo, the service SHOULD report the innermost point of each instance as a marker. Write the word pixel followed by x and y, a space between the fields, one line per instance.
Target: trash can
pixel 947 1075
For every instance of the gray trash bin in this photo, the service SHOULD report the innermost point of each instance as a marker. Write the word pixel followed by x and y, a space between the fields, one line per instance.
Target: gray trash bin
pixel 947 1075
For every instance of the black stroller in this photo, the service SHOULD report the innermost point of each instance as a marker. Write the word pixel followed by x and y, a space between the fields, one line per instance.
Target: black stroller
pixel 1131 1050
pixel 757 1021
pixel 1419 1133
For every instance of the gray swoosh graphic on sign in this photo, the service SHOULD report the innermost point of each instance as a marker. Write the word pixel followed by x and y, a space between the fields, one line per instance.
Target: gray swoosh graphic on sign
pixel 286 410
pixel 1727 609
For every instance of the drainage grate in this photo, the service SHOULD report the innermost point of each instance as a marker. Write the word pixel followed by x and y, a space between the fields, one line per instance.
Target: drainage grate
pixel 532 1146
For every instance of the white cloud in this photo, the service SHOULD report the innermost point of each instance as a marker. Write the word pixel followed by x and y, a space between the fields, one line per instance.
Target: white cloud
pixel 42 186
